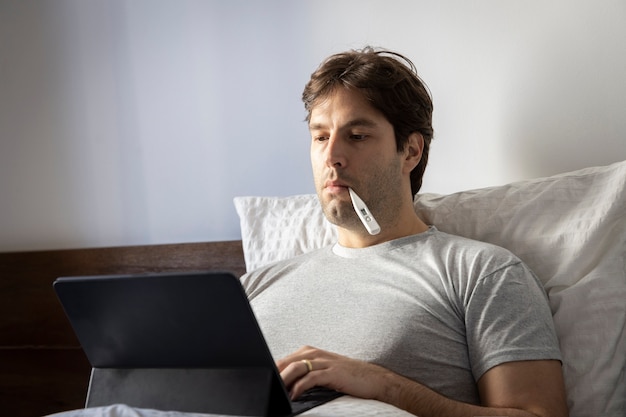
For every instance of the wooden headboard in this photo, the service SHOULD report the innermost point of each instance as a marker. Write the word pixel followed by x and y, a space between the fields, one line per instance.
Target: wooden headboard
pixel 42 367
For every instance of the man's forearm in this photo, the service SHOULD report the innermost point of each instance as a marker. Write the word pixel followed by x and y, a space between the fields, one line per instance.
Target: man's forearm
pixel 420 400
pixel 513 389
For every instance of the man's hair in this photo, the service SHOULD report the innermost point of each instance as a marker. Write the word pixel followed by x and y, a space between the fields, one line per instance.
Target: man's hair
pixel 390 82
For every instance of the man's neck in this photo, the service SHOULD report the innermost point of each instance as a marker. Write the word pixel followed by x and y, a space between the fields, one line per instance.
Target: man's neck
pixel 407 225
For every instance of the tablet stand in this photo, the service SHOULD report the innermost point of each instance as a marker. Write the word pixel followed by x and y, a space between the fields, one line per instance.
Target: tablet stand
pixel 242 391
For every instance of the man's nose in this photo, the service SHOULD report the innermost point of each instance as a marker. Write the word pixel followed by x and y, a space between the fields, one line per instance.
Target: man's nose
pixel 336 152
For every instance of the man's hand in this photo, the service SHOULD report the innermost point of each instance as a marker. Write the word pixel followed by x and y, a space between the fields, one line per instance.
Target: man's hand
pixel 349 376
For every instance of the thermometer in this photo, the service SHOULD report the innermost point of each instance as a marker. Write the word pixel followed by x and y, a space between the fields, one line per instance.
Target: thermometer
pixel 364 214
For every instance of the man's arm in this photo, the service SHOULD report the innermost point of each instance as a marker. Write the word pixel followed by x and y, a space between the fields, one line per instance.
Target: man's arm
pixel 515 389
pixel 537 386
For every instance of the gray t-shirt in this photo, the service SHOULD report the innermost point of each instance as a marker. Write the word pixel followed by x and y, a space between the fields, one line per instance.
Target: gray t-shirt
pixel 436 308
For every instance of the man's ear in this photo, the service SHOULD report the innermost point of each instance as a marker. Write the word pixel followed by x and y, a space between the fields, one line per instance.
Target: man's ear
pixel 413 151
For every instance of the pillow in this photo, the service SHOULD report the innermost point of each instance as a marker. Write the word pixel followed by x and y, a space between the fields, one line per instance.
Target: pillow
pixel 277 228
pixel 569 228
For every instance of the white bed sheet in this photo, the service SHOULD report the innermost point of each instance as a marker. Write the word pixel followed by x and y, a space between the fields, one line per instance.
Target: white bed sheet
pixel 345 406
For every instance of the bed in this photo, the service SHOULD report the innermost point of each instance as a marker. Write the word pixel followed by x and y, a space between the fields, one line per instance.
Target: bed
pixel 569 228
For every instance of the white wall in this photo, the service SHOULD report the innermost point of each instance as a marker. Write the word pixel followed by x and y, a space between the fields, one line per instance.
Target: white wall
pixel 135 122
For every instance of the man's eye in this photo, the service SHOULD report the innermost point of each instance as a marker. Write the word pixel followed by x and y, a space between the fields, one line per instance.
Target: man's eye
pixel 320 138
pixel 358 137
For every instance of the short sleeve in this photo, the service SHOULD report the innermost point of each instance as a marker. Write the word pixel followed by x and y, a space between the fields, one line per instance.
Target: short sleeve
pixel 508 319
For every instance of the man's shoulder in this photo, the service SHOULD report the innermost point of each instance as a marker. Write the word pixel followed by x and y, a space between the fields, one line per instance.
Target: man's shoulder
pixel 258 279
pixel 294 260
pixel 465 244
pixel 466 254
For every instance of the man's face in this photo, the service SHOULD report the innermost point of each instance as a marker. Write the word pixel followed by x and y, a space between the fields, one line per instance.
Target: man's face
pixel 353 145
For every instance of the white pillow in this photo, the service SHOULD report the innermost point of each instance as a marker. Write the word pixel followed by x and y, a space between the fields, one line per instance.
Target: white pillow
pixel 569 228
pixel 277 228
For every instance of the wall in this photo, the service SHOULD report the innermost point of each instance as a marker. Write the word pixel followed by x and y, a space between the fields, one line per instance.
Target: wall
pixel 135 122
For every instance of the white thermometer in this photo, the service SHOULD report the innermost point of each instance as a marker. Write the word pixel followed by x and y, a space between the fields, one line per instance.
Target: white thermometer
pixel 364 214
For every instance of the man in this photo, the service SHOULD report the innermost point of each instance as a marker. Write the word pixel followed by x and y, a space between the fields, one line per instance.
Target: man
pixel 432 323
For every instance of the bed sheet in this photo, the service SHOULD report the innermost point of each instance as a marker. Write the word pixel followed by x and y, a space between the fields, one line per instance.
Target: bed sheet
pixel 345 406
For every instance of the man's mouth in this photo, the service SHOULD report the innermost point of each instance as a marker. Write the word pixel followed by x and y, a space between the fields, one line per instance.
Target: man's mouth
pixel 335 187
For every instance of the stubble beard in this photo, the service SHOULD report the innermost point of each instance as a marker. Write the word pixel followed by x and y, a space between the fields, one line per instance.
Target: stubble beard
pixel 341 213
pixel 382 198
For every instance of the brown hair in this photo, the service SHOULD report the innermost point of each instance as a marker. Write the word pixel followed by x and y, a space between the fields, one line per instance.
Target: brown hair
pixel 390 82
